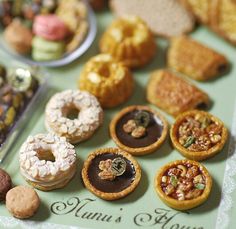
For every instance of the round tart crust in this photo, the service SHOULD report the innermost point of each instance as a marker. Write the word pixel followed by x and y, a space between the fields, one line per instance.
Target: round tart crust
pixel 112 195
pixel 183 204
pixel 197 155
pixel 141 150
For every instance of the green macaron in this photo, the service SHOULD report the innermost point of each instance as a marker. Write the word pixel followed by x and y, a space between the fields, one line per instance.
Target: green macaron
pixel 44 50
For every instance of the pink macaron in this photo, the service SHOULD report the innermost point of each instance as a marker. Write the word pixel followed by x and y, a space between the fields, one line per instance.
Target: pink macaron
pixel 50 27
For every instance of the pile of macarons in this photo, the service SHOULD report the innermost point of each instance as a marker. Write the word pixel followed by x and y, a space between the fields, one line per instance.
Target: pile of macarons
pixel 49 40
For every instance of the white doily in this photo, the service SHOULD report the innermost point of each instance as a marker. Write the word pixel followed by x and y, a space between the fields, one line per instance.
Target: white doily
pixel 229 184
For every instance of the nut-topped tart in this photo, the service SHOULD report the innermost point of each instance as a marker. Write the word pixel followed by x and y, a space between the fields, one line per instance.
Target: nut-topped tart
pixel 138 130
pixel 110 173
pixel 183 184
pixel 198 135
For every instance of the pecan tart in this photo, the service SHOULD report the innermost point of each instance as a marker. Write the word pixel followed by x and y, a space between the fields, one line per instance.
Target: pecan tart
pixel 110 173
pixel 183 184
pixel 198 135
pixel 138 130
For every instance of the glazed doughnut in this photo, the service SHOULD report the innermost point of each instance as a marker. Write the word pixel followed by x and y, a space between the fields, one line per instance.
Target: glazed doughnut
pixel 47 161
pixel 90 115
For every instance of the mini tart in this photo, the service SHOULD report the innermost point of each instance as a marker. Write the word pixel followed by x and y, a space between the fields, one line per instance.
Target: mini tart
pixel 107 79
pixel 116 188
pixel 128 39
pixel 183 184
pixel 198 135
pixel 154 134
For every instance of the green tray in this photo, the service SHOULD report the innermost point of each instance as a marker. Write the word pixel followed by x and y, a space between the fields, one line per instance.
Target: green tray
pixel 75 207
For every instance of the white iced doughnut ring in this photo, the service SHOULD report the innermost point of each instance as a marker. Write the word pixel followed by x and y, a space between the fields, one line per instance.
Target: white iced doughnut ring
pixel 88 118
pixel 47 161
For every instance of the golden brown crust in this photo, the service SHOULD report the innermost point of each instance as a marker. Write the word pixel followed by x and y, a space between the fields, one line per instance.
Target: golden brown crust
pixel 223 18
pixel 22 202
pixel 197 155
pixel 173 94
pixel 141 150
pixel 194 59
pixel 219 15
pixel 105 195
pixel 200 8
pixel 107 79
pixel 128 39
pixel 183 204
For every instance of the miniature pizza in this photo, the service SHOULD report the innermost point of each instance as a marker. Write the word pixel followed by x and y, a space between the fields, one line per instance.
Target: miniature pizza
pixel 47 161
pixel 198 135
pixel 183 184
pixel 110 173
pixel 138 130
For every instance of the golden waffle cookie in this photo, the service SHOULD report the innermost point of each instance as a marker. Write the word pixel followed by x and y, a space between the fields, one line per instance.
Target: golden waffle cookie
pixel 173 94
pixel 107 79
pixel 129 40
pixel 195 60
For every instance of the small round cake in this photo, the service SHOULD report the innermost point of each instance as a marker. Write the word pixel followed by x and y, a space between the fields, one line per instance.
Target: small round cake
pixel 183 184
pixel 138 130
pixel 110 173
pixel 47 161
pixel 128 39
pixel 22 202
pixel 107 79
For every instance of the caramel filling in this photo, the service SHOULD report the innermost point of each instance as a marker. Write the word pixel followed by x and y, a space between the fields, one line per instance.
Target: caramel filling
pixel 183 182
pixel 199 133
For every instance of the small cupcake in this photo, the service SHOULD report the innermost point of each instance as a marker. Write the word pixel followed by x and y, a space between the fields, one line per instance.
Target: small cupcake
pixel 107 79
pixel 128 39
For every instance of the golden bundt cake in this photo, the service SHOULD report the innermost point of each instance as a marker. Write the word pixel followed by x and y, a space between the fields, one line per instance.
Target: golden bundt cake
pixel 128 39
pixel 107 79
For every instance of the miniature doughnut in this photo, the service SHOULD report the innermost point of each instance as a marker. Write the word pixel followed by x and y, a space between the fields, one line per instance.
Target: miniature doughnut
pixel 47 161
pixel 88 112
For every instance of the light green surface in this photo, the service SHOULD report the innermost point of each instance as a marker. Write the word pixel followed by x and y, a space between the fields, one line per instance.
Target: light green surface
pixel 141 204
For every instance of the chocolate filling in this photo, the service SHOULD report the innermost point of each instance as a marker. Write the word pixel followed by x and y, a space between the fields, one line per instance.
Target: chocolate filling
pixel 222 68
pixel 119 183
pixel 153 131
